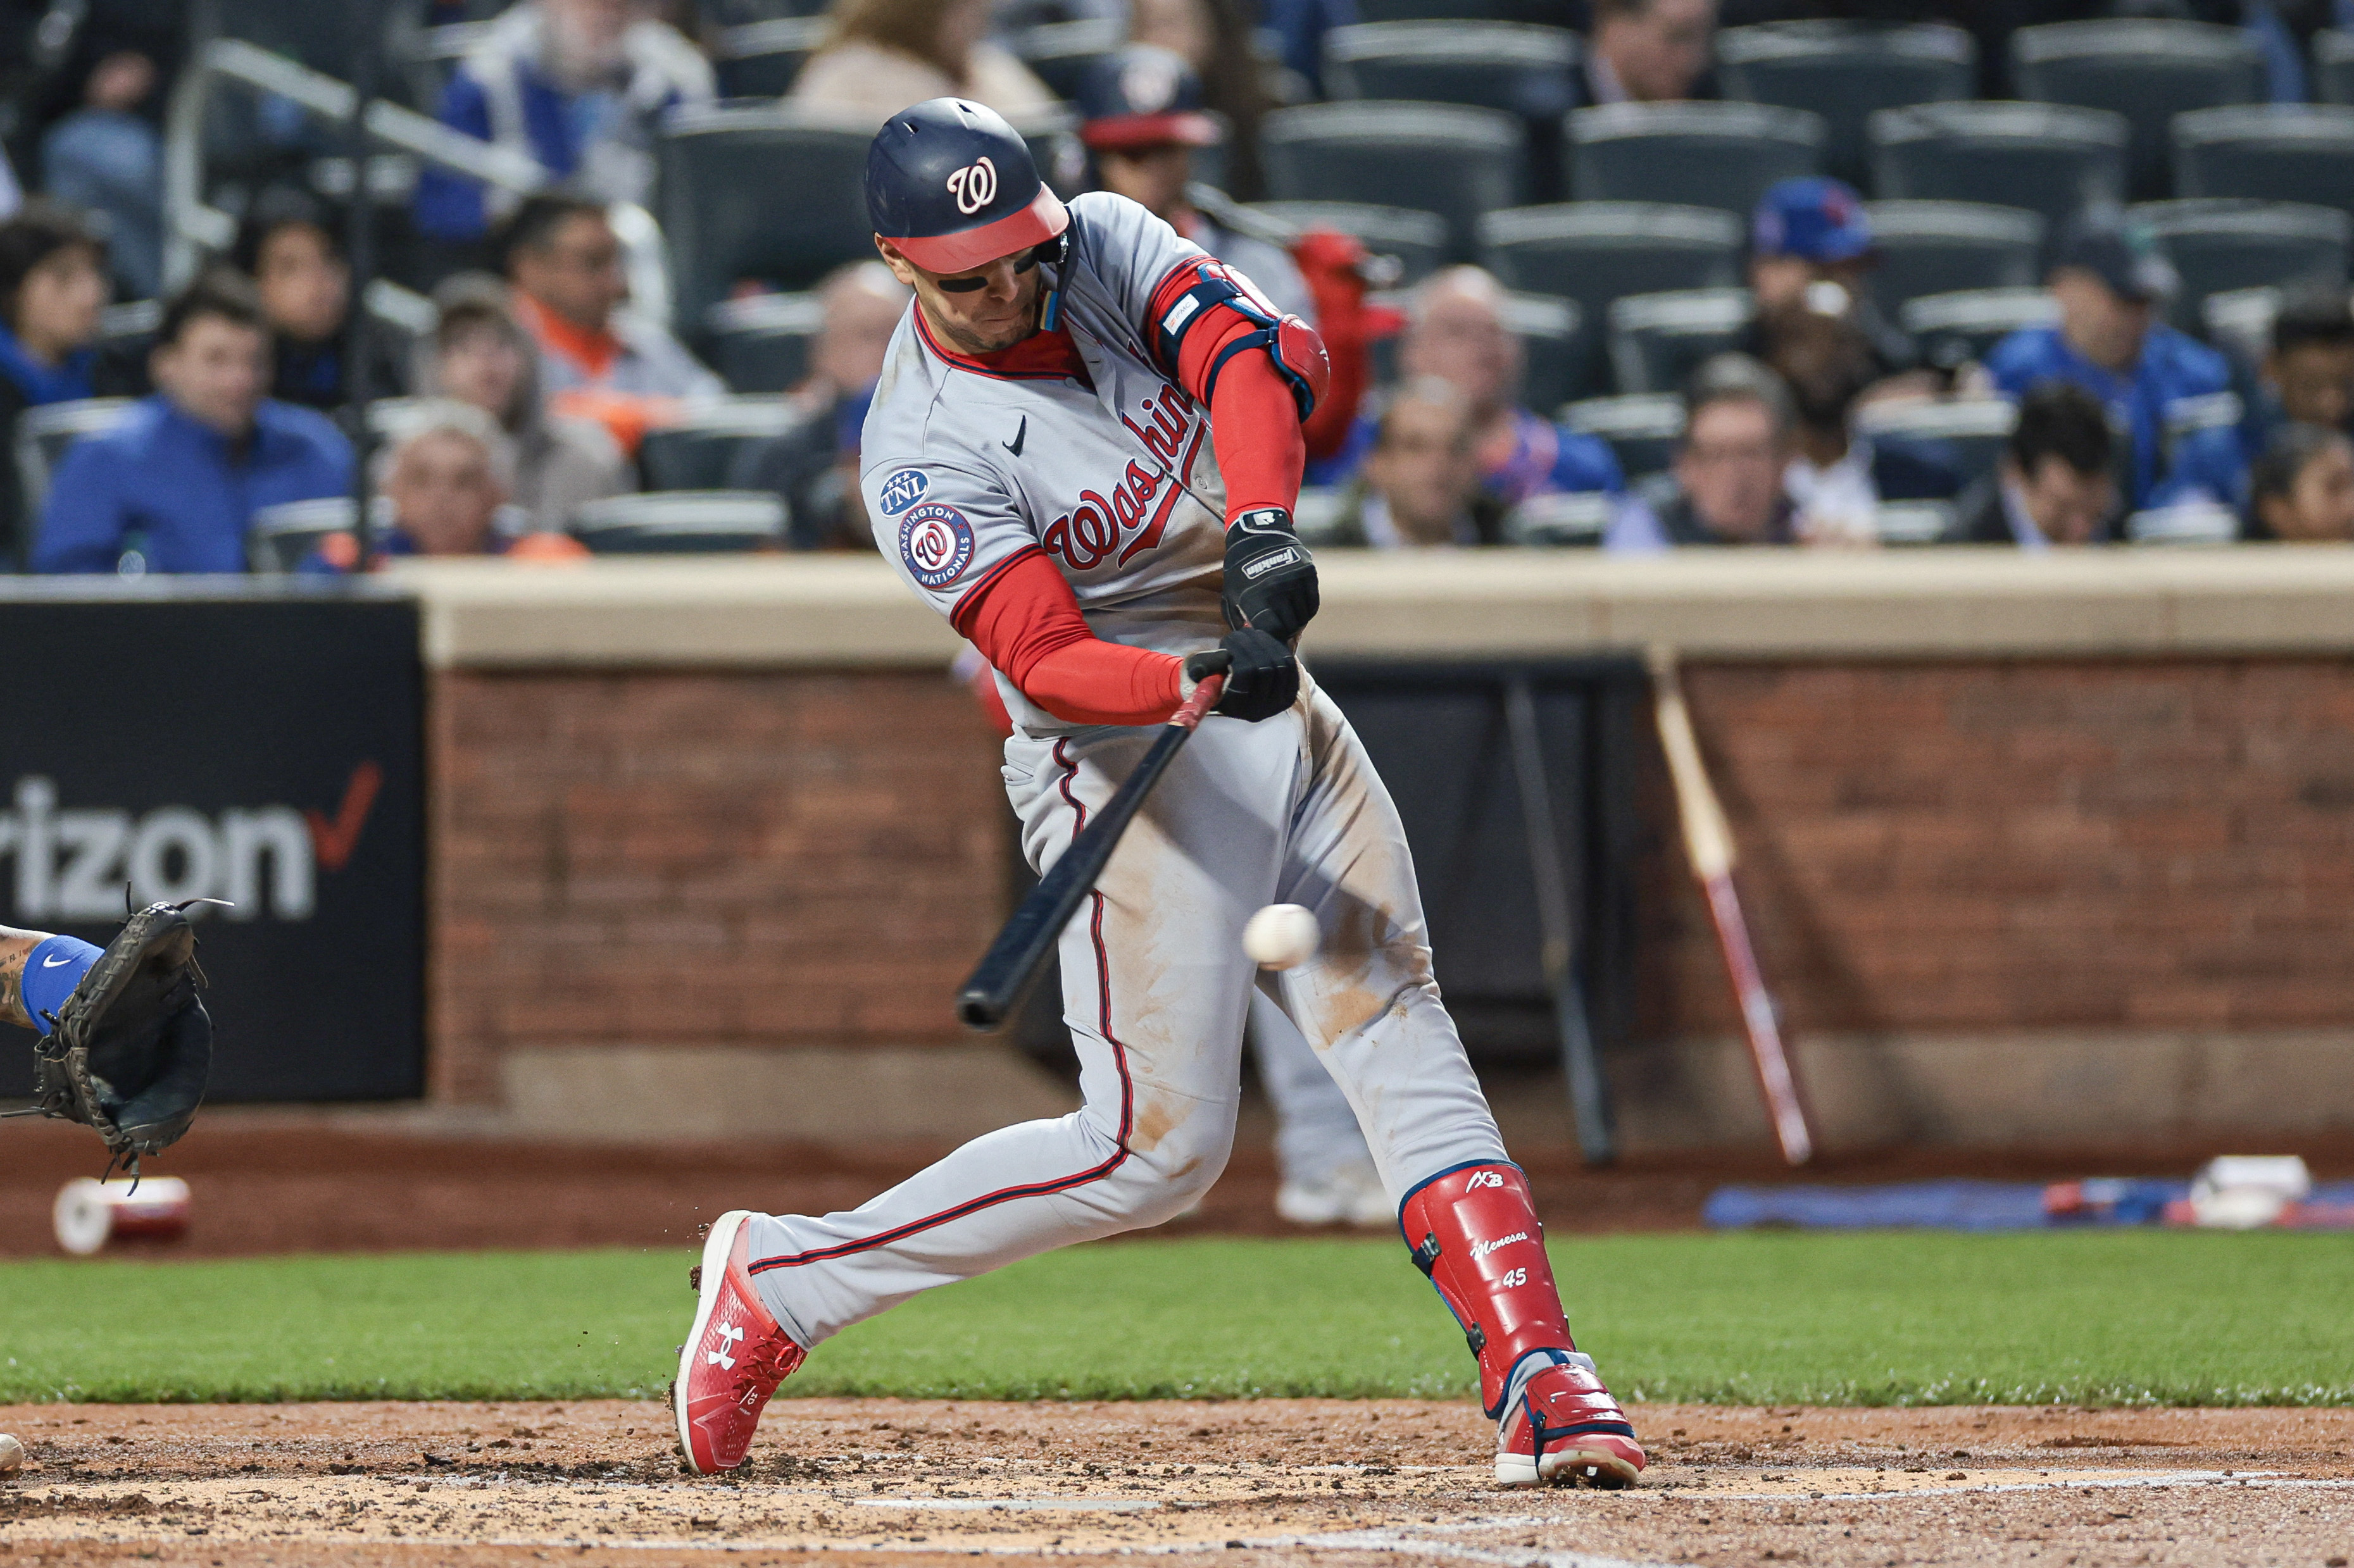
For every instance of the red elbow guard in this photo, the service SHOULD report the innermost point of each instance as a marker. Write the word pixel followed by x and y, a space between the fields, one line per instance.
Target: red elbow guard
pixel 1475 1233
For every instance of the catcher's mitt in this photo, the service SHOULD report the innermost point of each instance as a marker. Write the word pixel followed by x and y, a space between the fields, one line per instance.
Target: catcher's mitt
pixel 129 1050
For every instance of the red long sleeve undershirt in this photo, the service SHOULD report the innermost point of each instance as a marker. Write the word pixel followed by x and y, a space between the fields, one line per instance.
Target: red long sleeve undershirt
pixel 1024 618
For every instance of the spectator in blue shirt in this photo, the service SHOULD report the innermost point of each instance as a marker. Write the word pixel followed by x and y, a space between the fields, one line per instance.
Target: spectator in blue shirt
pixel 1456 332
pixel 2169 395
pixel 181 475
pixel 578 85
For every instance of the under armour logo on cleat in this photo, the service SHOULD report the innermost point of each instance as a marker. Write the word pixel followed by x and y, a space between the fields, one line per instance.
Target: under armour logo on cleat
pixel 730 1337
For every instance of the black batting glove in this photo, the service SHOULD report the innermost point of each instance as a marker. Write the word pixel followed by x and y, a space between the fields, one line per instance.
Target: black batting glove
pixel 1262 675
pixel 1270 576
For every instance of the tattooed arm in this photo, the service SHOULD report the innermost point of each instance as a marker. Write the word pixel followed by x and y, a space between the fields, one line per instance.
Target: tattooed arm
pixel 15 947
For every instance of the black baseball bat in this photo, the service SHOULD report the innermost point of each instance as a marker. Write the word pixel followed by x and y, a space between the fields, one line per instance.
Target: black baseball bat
pixel 1013 961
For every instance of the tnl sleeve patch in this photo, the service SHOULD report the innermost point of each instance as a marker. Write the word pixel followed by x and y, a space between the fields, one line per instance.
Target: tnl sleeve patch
pixel 903 490
pixel 936 542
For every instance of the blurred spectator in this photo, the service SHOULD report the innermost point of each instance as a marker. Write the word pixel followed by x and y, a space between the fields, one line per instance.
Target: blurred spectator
pixel 2158 385
pixel 1811 245
pixel 884 55
pixel 1837 480
pixel 814 464
pixel 2309 373
pixel 2302 488
pixel 1141 117
pixel 578 85
pixel 483 358
pixel 12 195
pixel 444 486
pixel 1298 28
pixel 1215 37
pixel 1456 332
pixel 1420 486
pixel 288 246
pixel 106 158
pixel 2054 484
pixel 53 286
pixel 595 360
pixel 1728 472
pixel 181 475
pixel 1647 51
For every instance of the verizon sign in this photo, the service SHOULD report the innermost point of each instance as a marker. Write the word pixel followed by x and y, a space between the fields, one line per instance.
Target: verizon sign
pixel 268 755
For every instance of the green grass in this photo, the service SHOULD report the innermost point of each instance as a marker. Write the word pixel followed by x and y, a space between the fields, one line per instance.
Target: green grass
pixel 2101 1317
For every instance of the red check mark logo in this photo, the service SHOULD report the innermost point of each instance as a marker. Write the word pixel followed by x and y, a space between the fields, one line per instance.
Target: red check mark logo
pixel 334 840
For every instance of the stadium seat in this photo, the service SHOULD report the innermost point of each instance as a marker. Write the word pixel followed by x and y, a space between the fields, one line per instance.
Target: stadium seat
pixel 1061 52
pixel 1443 158
pixel 697 450
pixel 1657 340
pixel 1941 247
pixel 280 538
pixel 2148 71
pixel 761 344
pixel 682 523
pixel 1552 343
pixel 1956 328
pixel 2333 66
pixel 1643 429
pixel 2240 322
pixel 1522 70
pixel 1576 519
pixel 2049 158
pixel 1418 239
pixel 761 59
pixel 2271 151
pixel 320 37
pixel 1537 13
pixel 710 160
pixel 1696 154
pixel 2189 525
pixel 1844 71
pixel 2220 245
pixel 718 15
pixel 1972 430
pixel 43 434
pixel 1593 251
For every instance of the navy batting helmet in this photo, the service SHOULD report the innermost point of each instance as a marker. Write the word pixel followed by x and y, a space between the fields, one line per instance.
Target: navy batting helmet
pixel 1142 97
pixel 952 186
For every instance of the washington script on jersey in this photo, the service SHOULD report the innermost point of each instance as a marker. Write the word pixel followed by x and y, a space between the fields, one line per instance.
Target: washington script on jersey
pixel 1092 530
pixel 71 865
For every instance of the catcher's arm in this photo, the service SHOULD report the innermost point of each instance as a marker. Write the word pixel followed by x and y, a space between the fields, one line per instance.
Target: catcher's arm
pixel 15 947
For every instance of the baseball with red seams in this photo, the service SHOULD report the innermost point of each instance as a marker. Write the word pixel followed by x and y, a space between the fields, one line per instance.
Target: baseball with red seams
pixel 1281 936
pixel 12 1453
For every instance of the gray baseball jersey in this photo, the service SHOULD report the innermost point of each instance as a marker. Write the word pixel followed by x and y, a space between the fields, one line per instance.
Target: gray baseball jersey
pixel 1114 477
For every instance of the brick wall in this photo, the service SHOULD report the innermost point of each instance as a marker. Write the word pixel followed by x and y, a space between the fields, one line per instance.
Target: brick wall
pixel 1971 848
pixel 2022 846
pixel 743 858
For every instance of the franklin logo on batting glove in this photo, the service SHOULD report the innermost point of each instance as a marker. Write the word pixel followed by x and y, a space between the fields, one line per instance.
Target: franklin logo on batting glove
pixel 937 544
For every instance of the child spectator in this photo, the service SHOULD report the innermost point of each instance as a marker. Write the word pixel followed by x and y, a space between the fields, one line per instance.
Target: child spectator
pixel 53 286
pixel 288 248
pixel 2303 488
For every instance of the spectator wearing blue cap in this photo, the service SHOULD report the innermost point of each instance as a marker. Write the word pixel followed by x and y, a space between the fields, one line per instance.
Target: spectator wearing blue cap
pixel 1811 245
pixel 2168 395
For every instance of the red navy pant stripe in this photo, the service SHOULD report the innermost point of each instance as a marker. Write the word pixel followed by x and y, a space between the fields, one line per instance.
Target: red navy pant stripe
pixel 1035 1189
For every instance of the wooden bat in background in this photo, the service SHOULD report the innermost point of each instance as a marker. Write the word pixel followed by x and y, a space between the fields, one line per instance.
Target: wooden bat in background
pixel 1708 842
pixel 1019 951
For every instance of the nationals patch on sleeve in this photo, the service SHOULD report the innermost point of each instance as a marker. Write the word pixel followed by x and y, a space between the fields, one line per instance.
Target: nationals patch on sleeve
pixel 937 544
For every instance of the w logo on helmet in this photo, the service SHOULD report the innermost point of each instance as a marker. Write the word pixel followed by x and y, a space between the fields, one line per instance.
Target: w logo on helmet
pixel 974 187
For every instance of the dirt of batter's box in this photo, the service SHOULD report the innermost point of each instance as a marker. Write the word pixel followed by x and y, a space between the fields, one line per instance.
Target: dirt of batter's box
pixel 1275 1481
pixel 262 1185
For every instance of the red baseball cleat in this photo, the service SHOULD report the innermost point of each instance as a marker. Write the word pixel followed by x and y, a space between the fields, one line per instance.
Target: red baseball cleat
pixel 1565 1427
pixel 734 1359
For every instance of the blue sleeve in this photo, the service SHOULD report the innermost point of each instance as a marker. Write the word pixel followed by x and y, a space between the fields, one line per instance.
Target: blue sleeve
pixel 2208 463
pixel 1586 462
pixel 329 471
pixel 1341 466
pixel 2016 363
pixel 82 522
pixel 449 206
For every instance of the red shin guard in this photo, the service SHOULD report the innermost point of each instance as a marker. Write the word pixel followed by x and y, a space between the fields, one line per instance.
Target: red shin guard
pixel 1475 1233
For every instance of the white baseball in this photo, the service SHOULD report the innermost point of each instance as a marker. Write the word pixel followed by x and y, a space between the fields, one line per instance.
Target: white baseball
pixel 12 1453
pixel 1281 936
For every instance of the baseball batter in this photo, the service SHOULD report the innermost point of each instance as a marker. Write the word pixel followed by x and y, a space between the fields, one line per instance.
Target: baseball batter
pixel 1083 453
